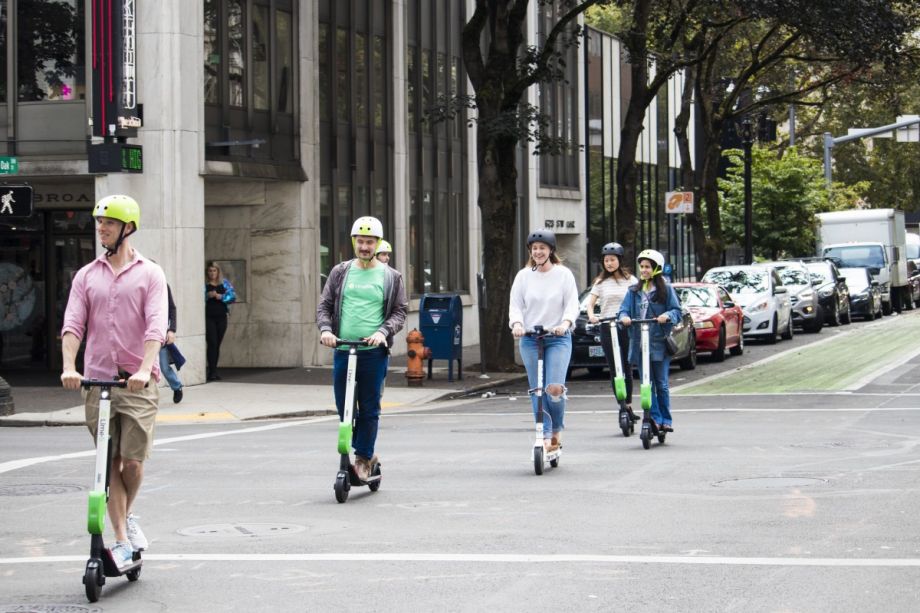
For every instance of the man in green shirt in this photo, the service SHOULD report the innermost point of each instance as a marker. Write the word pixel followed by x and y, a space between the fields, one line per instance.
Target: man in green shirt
pixel 363 299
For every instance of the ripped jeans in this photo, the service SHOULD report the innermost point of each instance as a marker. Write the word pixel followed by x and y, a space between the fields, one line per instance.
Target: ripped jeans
pixel 556 353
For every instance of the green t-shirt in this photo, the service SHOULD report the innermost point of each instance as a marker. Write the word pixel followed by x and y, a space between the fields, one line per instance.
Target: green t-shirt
pixel 362 303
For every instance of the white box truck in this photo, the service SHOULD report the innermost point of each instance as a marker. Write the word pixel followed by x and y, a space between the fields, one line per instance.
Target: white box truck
pixel 869 238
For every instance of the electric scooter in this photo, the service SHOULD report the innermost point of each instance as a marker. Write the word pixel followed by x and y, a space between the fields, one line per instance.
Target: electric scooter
pixel 649 429
pixel 101 564
pixel 346 478
pixel 540 454
pixel 627 424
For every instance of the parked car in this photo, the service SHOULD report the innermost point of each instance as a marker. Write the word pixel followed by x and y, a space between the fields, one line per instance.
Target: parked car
pixel 762 296
pixel 833 293
pixel 718 321
pixel 913 285
pixel 587 351
pixel 865 293
pixel 806 309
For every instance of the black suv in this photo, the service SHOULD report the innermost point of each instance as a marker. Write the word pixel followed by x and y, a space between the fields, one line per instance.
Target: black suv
pixel 833 294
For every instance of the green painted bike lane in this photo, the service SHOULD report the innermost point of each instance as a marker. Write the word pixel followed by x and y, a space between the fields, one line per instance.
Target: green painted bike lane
pixel 832 364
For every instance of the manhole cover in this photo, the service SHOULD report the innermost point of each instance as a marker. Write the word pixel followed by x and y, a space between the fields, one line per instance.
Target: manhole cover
pixel 245 530
pixel 46 608
pixel 490 430
pixel 38 489
pixel 769 482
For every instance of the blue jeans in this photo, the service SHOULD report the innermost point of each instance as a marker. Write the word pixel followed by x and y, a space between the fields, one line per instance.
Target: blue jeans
pixel 661 393
pixel 369 376
pixel 172 377
pixel 556 353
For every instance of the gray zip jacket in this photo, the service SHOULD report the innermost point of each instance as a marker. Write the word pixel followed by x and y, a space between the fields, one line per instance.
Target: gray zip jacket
pixel 329 309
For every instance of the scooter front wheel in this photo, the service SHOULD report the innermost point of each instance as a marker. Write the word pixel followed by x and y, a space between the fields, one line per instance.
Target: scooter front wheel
pixel 646 436
pixel 92 580
pixel 538 460
pixel 341 488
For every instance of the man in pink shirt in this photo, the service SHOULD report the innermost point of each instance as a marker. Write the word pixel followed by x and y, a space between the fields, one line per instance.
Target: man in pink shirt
pixel 118 304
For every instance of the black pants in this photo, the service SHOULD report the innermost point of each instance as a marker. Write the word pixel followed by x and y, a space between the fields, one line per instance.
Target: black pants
pixel 215 327
pixel 623 337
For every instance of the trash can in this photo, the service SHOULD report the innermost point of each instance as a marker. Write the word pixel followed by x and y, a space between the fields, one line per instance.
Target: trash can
pixel 441 323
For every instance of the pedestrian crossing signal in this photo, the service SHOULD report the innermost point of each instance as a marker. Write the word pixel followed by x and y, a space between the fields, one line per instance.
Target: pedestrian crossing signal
pixel 15 201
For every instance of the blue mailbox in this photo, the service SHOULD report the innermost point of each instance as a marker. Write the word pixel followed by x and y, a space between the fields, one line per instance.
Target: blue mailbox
pixel 441 323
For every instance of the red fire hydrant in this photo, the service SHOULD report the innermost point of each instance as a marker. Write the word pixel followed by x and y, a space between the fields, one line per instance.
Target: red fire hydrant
pixel 418 353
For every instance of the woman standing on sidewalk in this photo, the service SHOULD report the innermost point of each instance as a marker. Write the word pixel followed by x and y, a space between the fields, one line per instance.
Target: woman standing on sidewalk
pixel 544 293
pixel 219 294
pixel 609 289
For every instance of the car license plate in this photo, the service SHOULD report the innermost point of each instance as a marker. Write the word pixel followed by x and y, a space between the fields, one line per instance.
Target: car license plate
pixel 595 351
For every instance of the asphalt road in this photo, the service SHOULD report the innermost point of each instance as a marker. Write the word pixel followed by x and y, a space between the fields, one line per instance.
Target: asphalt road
pixel 758 502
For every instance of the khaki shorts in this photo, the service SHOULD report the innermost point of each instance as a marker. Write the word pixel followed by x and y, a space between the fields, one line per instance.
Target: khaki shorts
pixel 132 421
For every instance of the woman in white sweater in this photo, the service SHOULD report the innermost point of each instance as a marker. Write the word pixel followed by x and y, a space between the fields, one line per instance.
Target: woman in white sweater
pixel 544 293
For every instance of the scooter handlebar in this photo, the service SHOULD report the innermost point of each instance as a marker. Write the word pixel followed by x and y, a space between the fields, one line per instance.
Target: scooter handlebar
pixel 344 343
pixel 538 332
pixel 115 382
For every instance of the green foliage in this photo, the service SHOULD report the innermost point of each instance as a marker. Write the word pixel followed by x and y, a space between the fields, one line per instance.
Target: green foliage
pixel 606 17
pixel 787 191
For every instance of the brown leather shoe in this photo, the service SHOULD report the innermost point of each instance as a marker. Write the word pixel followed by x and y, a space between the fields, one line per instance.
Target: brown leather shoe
pixel 556 441
pixel 361 468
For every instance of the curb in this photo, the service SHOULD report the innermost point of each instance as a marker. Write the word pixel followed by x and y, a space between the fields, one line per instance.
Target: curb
pixel 455 395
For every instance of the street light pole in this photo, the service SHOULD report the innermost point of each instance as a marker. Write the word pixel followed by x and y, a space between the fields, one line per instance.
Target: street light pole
pixel 747 140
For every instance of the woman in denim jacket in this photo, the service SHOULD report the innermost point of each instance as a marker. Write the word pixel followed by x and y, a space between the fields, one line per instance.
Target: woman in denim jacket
pixel 653 298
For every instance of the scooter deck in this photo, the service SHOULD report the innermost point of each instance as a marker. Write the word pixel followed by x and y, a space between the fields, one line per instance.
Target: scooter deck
pixel 110 569
pixel 356 482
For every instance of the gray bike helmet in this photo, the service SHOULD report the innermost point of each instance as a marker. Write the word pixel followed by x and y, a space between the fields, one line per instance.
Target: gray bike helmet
pixel 542 236
pixel 613 249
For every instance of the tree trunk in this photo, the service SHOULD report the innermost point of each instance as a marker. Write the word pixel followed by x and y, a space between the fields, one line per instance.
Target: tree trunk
pixel 498 206
pixel 687 173
pixel 712 244
pixel 628 175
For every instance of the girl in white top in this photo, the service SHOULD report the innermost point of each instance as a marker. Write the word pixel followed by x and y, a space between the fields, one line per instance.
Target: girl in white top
pixel 544 293
pixel 609 289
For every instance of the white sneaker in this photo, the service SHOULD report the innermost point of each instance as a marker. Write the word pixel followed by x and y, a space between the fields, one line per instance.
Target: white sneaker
pixel 135 534
pixel 122 554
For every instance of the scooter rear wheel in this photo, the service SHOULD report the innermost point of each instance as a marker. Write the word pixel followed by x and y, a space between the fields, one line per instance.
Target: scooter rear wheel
pixel 92 582
pixel 341 488
pixel 375 484
pixel 554 462
pixel 661 436
pixel 134 575
pixel 538 460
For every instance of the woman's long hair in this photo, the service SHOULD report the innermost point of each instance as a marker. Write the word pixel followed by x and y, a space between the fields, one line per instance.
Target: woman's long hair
pixel 220 273
pixel 621 273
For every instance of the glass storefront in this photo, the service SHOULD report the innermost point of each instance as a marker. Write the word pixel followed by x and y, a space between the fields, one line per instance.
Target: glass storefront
pixel 38 259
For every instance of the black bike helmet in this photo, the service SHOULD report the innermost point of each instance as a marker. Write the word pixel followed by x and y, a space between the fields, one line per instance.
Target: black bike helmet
pixel 613 249
pixel 542 236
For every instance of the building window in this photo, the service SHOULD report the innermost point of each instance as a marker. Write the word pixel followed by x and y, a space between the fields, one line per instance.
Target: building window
pixel 355 125
pixel 50 51
pixel 249 79
pixel 438 209
pixel 558 100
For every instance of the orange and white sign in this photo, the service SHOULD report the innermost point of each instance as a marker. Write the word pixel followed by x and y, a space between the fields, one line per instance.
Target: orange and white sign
pixel 678 202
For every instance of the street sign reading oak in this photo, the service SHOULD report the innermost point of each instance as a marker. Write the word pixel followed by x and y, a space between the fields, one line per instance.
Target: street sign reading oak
pixel 8 165
pixel 15 201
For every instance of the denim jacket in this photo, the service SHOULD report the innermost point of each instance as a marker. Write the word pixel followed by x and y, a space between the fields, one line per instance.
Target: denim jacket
pixel 631 307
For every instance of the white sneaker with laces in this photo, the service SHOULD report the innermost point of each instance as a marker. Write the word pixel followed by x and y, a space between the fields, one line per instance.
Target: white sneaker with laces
pixel 122 554
pixel 135 534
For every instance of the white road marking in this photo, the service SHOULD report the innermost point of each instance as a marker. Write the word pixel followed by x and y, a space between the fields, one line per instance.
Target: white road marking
pixel 12 465
pixel 473 558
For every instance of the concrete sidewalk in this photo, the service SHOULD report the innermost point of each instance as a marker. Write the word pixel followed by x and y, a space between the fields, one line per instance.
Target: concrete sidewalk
pixel 251 393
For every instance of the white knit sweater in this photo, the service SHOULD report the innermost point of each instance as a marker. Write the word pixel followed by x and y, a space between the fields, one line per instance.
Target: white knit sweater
pixel 543 298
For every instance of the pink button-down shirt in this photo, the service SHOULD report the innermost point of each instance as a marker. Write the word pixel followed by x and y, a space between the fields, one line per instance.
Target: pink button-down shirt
pixel 117 314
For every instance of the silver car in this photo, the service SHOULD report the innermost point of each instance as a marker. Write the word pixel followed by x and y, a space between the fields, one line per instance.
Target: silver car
pixel 806 306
